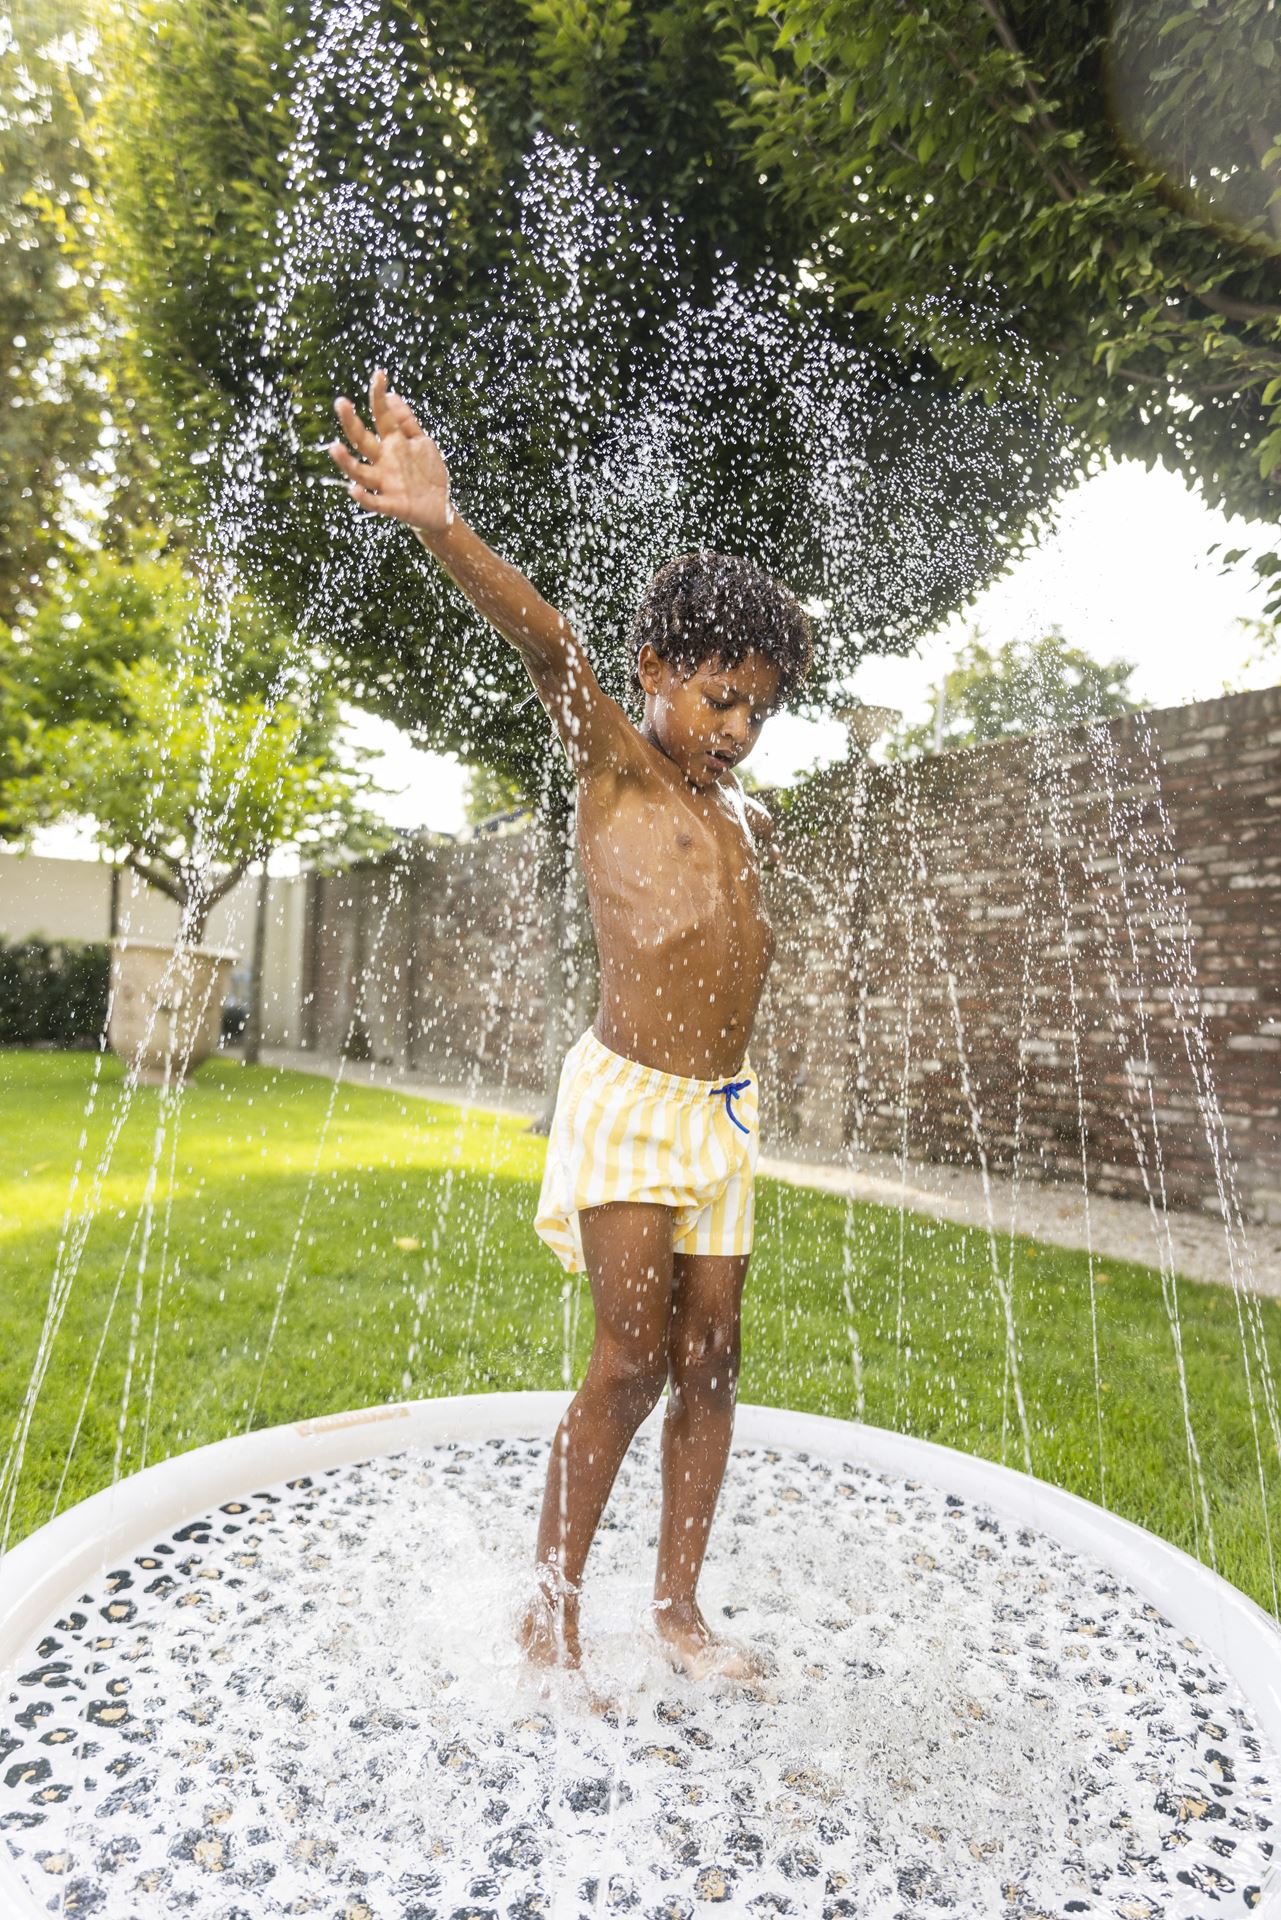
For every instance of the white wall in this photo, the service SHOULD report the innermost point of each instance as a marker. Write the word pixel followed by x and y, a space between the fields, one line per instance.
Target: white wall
pixel 71 900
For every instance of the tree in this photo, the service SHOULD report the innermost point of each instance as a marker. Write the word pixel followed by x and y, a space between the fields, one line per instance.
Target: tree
pixel 103 611
pixel 1116 198
pixel 286 204
pixel 488 794
pixel 53 413
pixel 1017 689
pixel 1265 638
pixel 192 749
pixel 65 456
pixel 258 270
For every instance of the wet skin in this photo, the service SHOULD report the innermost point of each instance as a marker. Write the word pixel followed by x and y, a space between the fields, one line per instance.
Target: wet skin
pixel 668 843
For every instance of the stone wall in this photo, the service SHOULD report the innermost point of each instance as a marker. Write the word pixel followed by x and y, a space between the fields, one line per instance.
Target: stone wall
pixel 437 965
pixel 1014 949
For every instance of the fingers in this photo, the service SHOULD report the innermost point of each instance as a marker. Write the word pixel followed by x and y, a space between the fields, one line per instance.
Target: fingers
pixel 390 412
pixel 372 502
pixel 362 473
pixel 360 478
pixel 404 417
pixel 355 469
pixel 383 418
pixel 355 429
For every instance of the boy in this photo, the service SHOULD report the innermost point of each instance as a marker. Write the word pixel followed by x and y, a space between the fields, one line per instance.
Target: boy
pixel 653 1147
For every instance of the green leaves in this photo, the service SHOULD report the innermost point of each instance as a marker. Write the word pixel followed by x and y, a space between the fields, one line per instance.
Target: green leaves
pixel 1017 689
pixel 111 713
pixel 1080 184
pixel 54 337
pixel 916 150
pixel 192 134
pixel 1269 453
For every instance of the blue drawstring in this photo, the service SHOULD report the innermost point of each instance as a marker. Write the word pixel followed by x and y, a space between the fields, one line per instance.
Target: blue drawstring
pixel 731 1091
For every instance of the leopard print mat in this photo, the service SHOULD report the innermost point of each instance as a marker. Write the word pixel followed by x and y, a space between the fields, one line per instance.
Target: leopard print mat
pixel 309 1702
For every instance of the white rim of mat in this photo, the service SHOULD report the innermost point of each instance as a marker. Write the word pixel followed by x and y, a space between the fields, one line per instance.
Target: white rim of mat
pixel 43 1573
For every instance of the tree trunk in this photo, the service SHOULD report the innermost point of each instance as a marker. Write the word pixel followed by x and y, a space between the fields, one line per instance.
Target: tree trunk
pixel 195 918
pixel 253 1026
pixel 571 979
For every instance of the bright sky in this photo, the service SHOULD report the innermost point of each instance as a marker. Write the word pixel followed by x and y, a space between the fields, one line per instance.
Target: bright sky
pixel 1126 572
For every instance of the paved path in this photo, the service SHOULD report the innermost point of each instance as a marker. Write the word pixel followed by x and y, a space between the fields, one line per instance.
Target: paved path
pixel 1117 1229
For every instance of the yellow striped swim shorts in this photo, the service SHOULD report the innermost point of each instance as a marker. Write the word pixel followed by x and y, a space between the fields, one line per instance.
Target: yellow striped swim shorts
pixel 622 1131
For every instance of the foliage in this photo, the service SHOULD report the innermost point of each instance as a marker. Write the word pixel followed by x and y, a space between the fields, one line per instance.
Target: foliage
pixel 1117 200
pixel 948 177
pixel 187 135
pixel 488 794
pixel 53 992
pixel 440 107
pixel 106 610
pixel 1265 638
pixel 183 780
pixel 50 423
pixel 993 695
pixel 431 118
pixel 103 611
pixel 63 447
pixel 194 744
pixel 193 134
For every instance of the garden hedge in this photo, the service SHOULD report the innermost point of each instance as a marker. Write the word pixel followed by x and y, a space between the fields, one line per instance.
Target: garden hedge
pixel 53 992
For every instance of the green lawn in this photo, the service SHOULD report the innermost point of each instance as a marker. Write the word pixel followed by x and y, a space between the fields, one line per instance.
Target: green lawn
pixel 393 1240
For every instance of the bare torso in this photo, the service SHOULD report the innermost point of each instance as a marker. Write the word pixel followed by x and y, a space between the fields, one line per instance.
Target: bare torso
pixel 678 911
pixel 669 855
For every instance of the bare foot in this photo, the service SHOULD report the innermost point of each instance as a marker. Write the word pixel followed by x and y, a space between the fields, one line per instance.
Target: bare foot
pixel 694 1650
pixel 603 1705
pixel 548 1632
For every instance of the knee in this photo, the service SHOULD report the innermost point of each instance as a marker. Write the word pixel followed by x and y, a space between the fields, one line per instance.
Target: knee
pixel 704 1367
pixel 630 1379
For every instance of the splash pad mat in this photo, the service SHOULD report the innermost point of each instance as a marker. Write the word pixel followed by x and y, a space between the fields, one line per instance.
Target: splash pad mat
pixel 276 1676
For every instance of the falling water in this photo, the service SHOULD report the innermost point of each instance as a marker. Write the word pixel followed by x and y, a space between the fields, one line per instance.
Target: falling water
pixel 624 461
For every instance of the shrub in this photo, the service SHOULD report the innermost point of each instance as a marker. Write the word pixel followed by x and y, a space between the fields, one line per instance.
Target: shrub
pixel 53 992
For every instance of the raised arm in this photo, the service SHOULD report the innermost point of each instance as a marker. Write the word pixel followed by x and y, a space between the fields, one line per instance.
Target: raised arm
pixel 396 469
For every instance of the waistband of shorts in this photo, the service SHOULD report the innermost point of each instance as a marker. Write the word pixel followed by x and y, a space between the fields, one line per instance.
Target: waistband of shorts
pixel 676 1086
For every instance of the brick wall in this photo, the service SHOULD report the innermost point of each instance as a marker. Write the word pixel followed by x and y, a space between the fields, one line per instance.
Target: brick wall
pixel 1011 948
pixel 1056 930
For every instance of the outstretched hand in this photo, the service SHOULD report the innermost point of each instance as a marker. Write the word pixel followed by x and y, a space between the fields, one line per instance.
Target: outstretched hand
pixel 396 468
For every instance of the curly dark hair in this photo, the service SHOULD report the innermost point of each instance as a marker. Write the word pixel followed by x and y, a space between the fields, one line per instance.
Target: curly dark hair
pixel 713 606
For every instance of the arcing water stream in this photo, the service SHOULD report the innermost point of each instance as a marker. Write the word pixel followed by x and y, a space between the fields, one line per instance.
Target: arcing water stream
pixel 926 1751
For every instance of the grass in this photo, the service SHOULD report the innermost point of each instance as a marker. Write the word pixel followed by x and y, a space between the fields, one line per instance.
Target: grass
pixel 392 1240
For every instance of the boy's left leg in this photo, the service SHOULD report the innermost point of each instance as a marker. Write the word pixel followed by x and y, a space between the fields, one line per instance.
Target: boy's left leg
pixel 703 1349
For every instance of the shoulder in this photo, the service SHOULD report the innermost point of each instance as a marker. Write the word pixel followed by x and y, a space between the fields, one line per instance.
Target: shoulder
pixel 629 764
pixel 599 739
pixel 759 817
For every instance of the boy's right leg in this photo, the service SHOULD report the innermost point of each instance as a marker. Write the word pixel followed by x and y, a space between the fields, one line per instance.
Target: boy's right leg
pixel 628 1249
